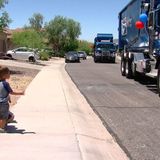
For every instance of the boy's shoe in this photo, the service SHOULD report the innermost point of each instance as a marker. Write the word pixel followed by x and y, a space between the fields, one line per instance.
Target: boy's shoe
pixel 2 130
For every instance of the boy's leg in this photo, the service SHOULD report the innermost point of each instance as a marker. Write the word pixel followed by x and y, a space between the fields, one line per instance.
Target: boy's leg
pixel 10 117
pixel 2 123
pixel 4 110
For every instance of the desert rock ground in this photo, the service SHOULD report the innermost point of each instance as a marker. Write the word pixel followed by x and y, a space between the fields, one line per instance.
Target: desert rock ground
pixel 20 79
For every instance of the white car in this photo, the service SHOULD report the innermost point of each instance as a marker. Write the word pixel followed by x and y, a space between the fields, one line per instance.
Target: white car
pixel 23 53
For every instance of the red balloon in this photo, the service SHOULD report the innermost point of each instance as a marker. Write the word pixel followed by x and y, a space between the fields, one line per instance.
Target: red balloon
pixel 139 25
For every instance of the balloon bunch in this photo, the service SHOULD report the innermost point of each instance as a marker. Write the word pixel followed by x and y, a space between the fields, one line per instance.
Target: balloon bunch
pixel 142 20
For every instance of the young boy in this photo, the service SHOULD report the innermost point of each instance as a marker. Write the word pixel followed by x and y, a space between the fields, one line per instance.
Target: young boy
pixel 5 90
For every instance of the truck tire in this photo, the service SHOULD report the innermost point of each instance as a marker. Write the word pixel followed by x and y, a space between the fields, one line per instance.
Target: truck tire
pixel 123 67
pixel 128 70
pixel 95 60
pixel 134 71
pixel 114 60
pixel 158 81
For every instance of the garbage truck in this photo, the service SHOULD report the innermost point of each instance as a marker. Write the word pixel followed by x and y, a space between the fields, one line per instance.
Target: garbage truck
pixel 139 39
pixel 104 48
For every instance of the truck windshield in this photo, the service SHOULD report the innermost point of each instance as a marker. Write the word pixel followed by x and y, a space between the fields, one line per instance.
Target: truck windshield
pixel 106 47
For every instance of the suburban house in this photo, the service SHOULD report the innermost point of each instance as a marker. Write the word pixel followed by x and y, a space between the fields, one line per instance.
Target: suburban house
pixel 6 40
pixel 3 43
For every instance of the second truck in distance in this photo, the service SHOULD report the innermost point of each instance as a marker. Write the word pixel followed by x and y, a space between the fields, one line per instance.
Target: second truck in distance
pixel 104 49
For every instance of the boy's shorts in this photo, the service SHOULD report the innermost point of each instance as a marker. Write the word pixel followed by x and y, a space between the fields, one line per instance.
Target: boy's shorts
pixel 4 110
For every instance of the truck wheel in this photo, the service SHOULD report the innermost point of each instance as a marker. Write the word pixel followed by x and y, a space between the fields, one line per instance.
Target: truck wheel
pixel 95 60
pixel 134 72
pixel 114 60
pixel 158 81
pixel 123 67
pixel 128 70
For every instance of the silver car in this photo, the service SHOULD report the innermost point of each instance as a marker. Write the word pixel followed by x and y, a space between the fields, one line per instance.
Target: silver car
pixel 82 54
pixel 72 56
pixel 23 53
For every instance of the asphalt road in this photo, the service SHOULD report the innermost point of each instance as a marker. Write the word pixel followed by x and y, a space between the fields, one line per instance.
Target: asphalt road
pixel 129 109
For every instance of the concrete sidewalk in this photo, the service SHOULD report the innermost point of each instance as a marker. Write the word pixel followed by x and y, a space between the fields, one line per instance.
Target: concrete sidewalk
pixel 55 122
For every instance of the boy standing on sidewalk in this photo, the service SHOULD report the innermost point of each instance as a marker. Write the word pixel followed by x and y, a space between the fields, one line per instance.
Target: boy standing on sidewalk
pixel 5 90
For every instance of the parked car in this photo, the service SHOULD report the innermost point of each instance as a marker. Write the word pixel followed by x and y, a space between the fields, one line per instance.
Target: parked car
pixel 72 56
pixel 23 53
pixel 82 54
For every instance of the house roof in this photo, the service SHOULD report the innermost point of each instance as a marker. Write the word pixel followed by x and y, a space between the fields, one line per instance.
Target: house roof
pixel 10 32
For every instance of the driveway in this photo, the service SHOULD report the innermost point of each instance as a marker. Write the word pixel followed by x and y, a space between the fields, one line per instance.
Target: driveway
pixel 24 64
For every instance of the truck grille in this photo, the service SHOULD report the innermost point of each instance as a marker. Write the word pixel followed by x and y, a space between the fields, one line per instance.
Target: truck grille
pixel 106 53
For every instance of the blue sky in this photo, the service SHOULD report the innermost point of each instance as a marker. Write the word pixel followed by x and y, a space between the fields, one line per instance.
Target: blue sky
pixel 95 16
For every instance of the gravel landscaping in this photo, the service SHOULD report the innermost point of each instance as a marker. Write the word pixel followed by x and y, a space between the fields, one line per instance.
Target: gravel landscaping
pixel 20 79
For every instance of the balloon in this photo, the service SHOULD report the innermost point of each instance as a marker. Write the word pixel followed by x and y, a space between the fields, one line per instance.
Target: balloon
pixel 139 25
pixel 143 18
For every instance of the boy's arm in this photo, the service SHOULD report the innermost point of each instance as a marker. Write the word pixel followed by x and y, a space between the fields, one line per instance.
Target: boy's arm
pixel 10 90
pixel 17 93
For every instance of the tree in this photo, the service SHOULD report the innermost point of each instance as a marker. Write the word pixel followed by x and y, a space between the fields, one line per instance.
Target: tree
pixel 27 38
pixel 36 21
pixel 2 3
pixel 4 18
pixel 85 46
pixel 62 34
pixel 73 29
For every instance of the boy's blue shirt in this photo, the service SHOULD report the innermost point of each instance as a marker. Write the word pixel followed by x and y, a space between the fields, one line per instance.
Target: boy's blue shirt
pixel 5 89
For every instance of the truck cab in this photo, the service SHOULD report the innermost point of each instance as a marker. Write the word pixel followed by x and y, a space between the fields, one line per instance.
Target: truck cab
pixel 104 49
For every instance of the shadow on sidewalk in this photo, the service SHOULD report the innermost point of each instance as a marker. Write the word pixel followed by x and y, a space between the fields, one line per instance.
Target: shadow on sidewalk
pixel 12 129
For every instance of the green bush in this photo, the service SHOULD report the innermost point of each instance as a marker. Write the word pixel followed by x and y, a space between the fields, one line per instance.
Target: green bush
pixel 49 51
pixel 44 56
pixel 85 46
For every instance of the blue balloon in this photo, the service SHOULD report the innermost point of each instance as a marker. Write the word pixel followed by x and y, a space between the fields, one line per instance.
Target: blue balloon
pixel 143 18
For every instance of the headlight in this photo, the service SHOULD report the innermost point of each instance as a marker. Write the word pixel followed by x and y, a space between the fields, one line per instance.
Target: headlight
pixel 97 54
pixel 112 54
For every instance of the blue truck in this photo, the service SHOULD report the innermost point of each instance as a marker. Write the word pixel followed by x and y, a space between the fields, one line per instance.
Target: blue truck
pixel 139 39
pixel 104 49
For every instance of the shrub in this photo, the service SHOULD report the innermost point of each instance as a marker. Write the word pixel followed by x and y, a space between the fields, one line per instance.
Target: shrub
pixel 44 56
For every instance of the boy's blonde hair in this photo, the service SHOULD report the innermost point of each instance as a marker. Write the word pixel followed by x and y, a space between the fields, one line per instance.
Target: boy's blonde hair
pixel 3 71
